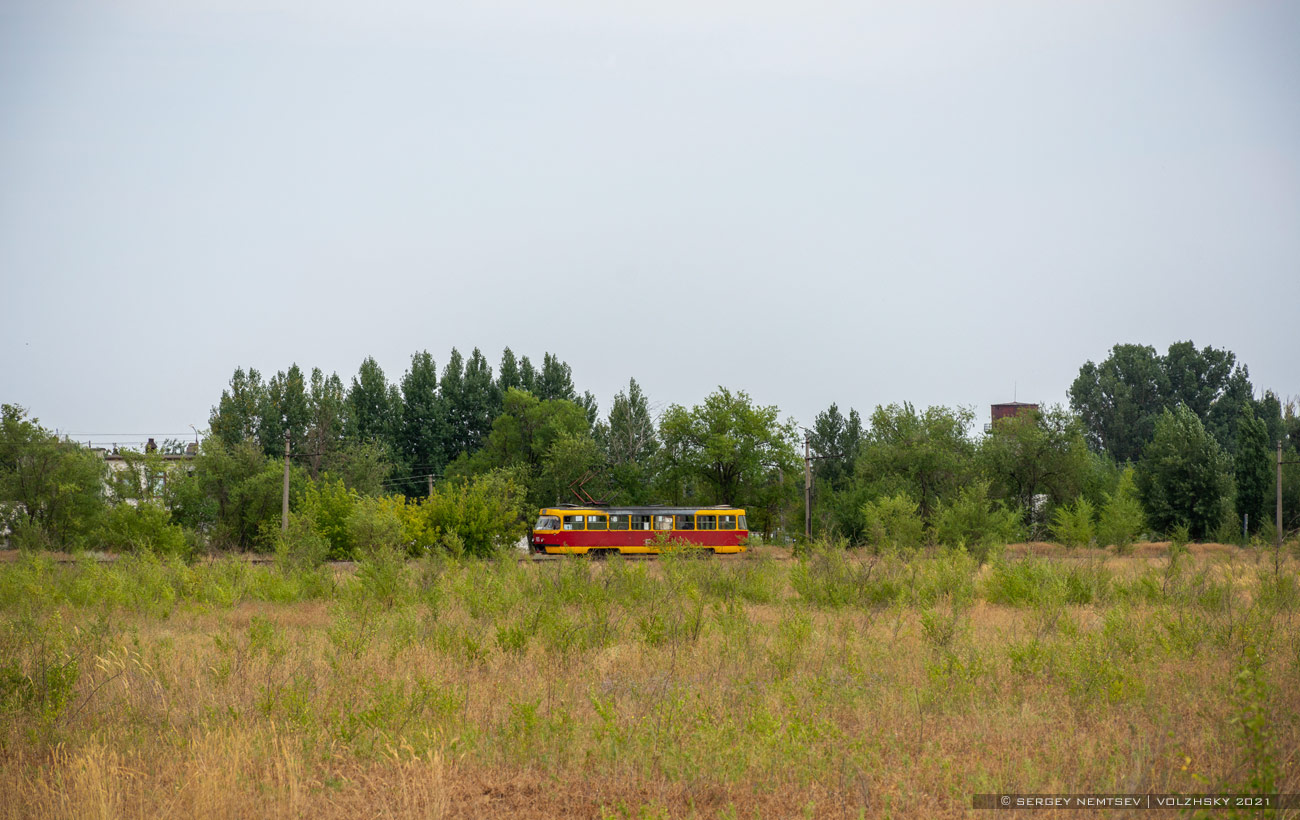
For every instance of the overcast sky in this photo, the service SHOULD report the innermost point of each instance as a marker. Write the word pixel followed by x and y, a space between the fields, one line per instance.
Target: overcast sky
pixel 854 202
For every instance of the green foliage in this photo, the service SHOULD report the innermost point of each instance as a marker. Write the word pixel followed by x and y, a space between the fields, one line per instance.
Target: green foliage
pixel 1040 453
pixel 629 441
pixel 480 515
pixel 301 546
pixel 40 664
pixel 233 494
pixel 143 527
pixel 423 420
pixel 1121 400
pixel 831 577
pixel 328 505
pixel 973 521
pixel 729 451
pixel 373 406
pixel 1251 469
pixel 51 491
pixel 1121 520
pixel 926 455
pixel 1037 582
pixel 376 523
pixel 1183 476
pixel 1072 524
pixel 836 440
pixel 893 522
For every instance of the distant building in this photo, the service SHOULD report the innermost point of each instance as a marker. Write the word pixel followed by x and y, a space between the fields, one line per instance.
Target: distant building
pixel 131 464
pixel 1009 410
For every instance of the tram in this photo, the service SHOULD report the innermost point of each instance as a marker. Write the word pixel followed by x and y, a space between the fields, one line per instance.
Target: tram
pixel 571 529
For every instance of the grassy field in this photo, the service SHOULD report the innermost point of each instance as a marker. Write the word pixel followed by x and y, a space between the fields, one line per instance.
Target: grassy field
pixel 754 687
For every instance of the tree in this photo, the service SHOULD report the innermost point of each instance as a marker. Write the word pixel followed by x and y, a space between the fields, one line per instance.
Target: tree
pixel 508 375
pixel 1040 453
pixel 326 403
pixel 51 491
pixel 480 400
pixel 1183 476
pixel 1120 399
pixel 524 440
pixel 926 455
pixel 373 409
pixel 1121 520
pixel 422 433
pixel 527 376
pixel 284 407
pixel 237 415
pixel 1251 469
pixel 470 403
pixel 728 449
pixel 630 442
pixel 555 381
pixel 234 493
pixel 836 439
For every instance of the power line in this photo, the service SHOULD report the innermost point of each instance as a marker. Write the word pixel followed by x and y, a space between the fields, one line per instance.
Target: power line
pixel 187 433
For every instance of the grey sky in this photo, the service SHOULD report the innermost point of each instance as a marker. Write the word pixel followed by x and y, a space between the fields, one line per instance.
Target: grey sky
pixel 833 201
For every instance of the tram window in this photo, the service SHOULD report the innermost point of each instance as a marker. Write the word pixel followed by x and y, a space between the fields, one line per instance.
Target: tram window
pixel 743 525
pixel 573 522
pixel 548 522
pixel 685 522
pixel 726 522
pixel 663 522
pixel 596 522
pixel 706 522
pixel 640 522
pixel 618 522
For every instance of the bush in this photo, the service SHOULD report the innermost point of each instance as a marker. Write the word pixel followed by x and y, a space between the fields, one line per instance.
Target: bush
pixel 328 504
pixel 1121 520
pixel 484 514
pixel 972 521
pixel 145 527
pixel 302 546
pixel 893 522
pixel 1072 524
pixel 377 523
pixel 1034 582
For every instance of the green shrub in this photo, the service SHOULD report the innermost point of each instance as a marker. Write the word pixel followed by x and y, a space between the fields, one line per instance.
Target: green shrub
pixel 1072 523
pixel 375 524
pixel 825 576
pixel 973 521
pixel 144 527
pixel 484 514
pixel 302 546
pixel 1121 520
pixel 328 504
pixel 893 522
pixel 1033 582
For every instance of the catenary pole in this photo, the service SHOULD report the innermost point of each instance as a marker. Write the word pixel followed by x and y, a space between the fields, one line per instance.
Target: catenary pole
pixel 284 498
pixel 807 489
pixel 1279 495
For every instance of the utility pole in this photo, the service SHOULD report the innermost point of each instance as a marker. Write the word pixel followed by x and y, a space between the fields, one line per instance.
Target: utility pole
pixel 284 499
pixel 1279 496
pixel 430 477
pixel 807 488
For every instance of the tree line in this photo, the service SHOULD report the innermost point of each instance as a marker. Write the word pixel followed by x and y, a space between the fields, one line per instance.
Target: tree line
pixel 461 458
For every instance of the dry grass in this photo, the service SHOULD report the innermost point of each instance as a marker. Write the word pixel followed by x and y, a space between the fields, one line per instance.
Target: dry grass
pixel 708 689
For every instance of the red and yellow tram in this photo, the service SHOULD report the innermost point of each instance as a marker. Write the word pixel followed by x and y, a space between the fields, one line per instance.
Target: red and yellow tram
pixel 577 530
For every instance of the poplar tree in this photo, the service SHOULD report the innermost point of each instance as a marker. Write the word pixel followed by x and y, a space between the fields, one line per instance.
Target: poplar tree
pixel 1251 469
pixel 422 436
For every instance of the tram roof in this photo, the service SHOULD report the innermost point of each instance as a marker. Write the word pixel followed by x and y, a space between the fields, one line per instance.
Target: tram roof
pixel 651 509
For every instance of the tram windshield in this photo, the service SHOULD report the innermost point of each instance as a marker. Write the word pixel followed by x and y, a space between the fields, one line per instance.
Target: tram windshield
pixel 548 522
